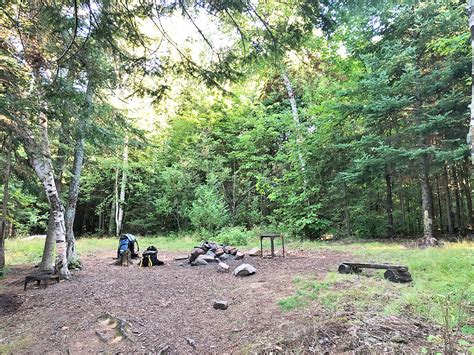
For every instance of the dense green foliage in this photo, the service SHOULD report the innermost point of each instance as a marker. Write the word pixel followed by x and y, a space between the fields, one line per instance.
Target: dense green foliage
pixel 380 96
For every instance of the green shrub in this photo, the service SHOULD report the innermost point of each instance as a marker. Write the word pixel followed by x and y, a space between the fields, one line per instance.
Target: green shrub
pixel 234 236
pixel 208 211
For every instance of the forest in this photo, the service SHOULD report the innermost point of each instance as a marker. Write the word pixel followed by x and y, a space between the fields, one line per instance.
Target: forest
pixel 218 119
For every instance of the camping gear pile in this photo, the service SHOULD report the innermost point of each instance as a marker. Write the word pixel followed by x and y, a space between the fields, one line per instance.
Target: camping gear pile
pixel 127 242
pixel 213 252
pixel 126 247
pixel 150 258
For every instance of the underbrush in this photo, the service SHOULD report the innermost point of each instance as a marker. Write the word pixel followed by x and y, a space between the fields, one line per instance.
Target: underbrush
pixel 237 236
pixel 442 291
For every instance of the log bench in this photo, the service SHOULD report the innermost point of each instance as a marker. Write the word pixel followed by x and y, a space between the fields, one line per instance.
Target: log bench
pixel 393 273
pixel 38 278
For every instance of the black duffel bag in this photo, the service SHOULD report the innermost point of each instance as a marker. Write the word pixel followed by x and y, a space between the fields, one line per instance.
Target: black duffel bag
pixel 150 258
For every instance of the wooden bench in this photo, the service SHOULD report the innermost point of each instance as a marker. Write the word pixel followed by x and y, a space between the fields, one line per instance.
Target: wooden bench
pixel 393 273
pixel 45 278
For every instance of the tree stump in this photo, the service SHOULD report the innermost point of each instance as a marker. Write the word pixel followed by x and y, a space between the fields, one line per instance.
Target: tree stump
pixel 124 259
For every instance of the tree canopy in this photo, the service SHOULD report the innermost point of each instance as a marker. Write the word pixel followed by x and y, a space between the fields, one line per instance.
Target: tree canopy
pixel 310 117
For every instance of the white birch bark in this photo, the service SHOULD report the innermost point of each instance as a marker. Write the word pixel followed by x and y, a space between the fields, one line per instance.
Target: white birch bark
pixel 123 184
pixel 44 170
pixel 294 111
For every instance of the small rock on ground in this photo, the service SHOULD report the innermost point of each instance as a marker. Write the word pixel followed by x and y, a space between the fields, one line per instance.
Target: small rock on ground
pixel 208 258
pixel 223 267
pixel 255 252
pixel 181 257
pixel 221 305
pixel 244 270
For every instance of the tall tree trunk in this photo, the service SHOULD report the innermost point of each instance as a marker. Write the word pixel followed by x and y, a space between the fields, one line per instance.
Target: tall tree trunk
pixel 458 199
pixel 111 226
pixel 470 136
pixel 389 206
pixel 426 193
pixel 402 207
pixel 4 227
pixel 408 211
pixel 466 188
pixel 294 111
pixel 37 146
pixel 47 263
pixel 72 198
pixel 76 176
pixel 440 208
pixel 41 163
pixel 447 196
pixel 121 202
pixel 347 216
pixel 426 204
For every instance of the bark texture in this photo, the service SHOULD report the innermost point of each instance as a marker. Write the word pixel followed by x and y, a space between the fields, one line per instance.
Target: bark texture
pixel 121 200
pixel 447 196
pixel 296 119
pixel 76 177
pixel 470 136
pixel 6 197
pixel 72 199
pixel 44 170
pixel 426 204
pixel 389 206
pixel 466 188
pixel 458 200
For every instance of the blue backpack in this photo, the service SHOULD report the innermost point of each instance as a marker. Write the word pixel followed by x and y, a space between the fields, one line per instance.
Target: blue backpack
pixel 127 242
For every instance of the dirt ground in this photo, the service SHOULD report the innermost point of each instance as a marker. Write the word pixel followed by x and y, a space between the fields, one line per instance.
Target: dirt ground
pixel 169 309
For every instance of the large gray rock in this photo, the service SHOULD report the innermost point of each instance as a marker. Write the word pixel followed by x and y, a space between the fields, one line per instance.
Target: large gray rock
pixel 255 252
pixel 199 261
pixel 224 257
pixel 244 270
pixel 195 253
pixel 211 253
pixel 208 258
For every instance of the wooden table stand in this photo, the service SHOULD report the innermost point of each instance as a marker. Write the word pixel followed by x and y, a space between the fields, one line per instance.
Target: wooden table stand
pixel 272 237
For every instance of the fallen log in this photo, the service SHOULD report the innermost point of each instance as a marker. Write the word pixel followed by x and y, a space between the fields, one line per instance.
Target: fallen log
pixel 394 273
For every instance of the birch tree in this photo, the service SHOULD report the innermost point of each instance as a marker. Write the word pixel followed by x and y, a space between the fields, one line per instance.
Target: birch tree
pixel 76 174
pixel 4 226
pixel 120 201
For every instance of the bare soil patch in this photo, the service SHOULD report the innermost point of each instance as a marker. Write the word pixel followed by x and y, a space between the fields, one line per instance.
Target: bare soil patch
pixel 170 309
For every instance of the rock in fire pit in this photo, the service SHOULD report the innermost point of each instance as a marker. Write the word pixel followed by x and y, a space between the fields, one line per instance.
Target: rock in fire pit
pixel 210 251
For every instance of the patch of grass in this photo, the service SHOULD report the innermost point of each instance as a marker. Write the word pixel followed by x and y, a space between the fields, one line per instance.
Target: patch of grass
pixel 442 282
pixel 18 251
pixel 307 290
pixel 21 251
pixel 14 346
pixel 439 274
